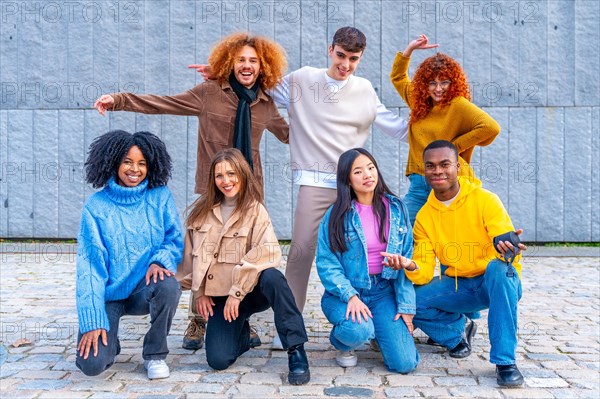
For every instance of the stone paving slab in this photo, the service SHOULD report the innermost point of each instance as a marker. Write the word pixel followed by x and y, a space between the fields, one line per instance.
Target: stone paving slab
pixel 559 345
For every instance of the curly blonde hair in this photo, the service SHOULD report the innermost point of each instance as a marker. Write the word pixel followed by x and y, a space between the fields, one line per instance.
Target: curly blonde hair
pixel 272 57
pixel 439 66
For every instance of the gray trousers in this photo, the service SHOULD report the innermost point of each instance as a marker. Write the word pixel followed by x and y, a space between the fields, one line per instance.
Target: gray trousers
pixel 311 205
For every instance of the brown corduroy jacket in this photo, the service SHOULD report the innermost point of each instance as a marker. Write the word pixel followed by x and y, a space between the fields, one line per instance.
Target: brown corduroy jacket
pixel 215 105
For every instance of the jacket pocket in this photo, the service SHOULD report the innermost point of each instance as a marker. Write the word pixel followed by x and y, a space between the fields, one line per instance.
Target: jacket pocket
pixel 234 245
pixel 219 128
pixel 199 235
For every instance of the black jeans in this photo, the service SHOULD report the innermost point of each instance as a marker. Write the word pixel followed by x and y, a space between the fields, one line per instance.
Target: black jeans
pixel 226 341
pixel 158 299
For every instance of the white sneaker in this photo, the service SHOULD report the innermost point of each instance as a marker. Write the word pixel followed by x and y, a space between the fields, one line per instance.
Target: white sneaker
pixel 276 344
pixel 346 358
pixel 157 369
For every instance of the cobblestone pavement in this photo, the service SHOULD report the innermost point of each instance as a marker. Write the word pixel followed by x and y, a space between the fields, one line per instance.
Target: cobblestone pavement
pixel 558 347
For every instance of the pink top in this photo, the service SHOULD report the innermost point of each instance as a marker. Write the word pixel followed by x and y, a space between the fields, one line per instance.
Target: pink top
pixel 370 227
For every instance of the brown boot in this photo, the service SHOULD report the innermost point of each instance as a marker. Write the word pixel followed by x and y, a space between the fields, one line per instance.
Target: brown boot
pixel 193 338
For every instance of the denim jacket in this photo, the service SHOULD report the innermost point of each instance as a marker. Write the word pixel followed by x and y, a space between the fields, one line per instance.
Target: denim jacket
pixel 342 273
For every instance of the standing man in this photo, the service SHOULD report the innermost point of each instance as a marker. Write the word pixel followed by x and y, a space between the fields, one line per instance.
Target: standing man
pixel 233 111
pixel 330 111
pixel 467 228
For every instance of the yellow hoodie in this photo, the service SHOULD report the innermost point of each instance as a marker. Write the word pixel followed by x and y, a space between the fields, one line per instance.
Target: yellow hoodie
pixel 461 235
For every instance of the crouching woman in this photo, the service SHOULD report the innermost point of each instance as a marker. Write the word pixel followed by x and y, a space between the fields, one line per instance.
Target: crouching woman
pixel 365 231
pixel 230 259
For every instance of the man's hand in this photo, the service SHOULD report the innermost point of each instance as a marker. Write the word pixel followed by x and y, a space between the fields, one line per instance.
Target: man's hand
pixel 357 309
pixel 204 69
pixel 155 271
pixel 231 309
pixel 204 306
pixel 398 262
pixel 90 340
pixel 505 247
pixel 106 101
pixel 408 320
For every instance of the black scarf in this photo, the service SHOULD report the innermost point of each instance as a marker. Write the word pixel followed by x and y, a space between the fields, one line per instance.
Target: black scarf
pixel 242 131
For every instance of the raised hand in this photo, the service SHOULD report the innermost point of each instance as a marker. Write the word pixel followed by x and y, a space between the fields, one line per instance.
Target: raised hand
pixel 106 101
pixel 420 43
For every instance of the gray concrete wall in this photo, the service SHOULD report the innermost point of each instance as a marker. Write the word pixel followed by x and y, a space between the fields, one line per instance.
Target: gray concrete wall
pixel 534 66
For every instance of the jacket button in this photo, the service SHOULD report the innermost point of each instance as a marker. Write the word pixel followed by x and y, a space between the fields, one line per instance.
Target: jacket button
pixel 238 294
pixel 210 277
pixel 216 254
pixel 235 234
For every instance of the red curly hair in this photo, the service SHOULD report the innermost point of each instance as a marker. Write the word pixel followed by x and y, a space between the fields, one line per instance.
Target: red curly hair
pixel 439 66
pixel 272 57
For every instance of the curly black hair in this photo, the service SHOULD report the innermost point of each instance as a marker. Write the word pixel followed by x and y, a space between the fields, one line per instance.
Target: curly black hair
pixel 107 152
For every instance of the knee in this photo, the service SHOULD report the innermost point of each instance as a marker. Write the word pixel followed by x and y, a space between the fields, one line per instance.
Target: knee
pixel 92 366
pixel 272 277
pixel 404 368
pixel 168 289
pixel 353 334
pixel 219 362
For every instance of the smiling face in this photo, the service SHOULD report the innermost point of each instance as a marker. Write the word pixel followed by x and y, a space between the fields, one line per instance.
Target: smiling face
pixel 133 168
pixel 343 63
pixel 363 179
pixel 438 89
pixel 441 172
pixel 246 68
pixel 227 180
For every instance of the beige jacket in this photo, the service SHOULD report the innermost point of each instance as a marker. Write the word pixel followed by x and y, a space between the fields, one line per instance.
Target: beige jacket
pixel 220 260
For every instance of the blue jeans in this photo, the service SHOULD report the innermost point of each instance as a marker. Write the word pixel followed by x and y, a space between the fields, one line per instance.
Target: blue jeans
pixel 441 308
pixel 158 299
pixel 397 345
pixel 417 194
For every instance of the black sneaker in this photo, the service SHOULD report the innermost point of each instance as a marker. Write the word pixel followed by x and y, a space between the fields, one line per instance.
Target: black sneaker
pixel 463 349
pixel 509 376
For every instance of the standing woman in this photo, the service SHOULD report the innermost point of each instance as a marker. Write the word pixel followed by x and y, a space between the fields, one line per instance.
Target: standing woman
pixel 363 233
pixel 229 262
pixel 440 109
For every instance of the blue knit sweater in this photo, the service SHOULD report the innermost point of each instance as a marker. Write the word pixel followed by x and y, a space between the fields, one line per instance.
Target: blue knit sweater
pixel 123 231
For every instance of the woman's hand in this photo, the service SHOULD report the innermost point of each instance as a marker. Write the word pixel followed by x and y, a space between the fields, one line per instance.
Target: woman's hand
pixel 155 271
pixel 231 309
pixel 90 340
pixel 420 43
pixel 103 103
pixel 204 69
pixel 357 308
pixel 204 306
pixel 408 320
pixel 398 262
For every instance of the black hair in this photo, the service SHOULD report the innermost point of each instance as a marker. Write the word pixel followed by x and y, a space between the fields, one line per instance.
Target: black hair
pixel 107 152
pixel 345 195
pixel 441 144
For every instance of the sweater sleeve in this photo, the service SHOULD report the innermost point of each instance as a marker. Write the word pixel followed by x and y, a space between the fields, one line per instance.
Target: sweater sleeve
pixel 329 265
pixel 278 125
pixel 406 301
pixel 92 275
pixel 264 253
pixel 484 128
pixel 424 256
pixel 169 254
pixel 188 103
pixel 399 77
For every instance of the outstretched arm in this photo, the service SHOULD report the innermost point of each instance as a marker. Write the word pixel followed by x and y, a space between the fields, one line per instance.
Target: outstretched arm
pixel 420 43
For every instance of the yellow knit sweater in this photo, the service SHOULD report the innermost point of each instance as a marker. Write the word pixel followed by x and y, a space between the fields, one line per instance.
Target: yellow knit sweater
pixel 460 121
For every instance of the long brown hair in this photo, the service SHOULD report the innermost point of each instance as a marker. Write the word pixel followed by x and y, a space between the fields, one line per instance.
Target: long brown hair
pixel 439 66
pixel 249 189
